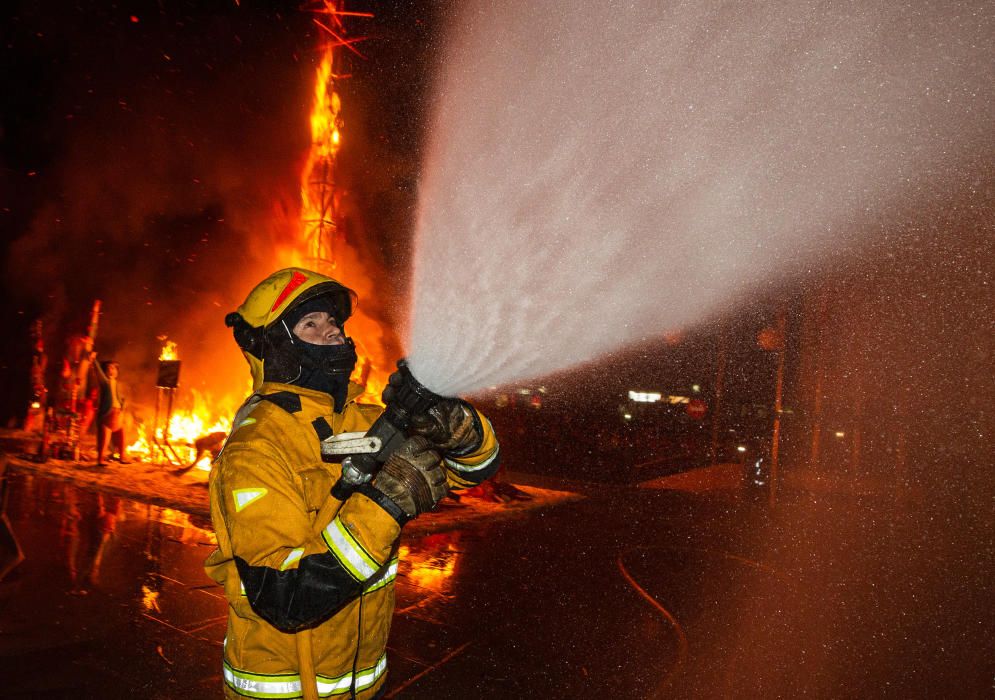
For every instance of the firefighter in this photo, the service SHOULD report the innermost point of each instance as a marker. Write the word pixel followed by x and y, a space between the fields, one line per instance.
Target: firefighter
pixel 308 577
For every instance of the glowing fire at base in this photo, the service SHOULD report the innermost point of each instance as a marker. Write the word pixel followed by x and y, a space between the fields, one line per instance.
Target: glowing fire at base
pixel 194 435
pixel 187 428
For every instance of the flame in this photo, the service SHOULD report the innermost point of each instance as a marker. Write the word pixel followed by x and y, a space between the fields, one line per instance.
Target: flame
pixel 206 421
pixel 324 247
pixel 321 246
pixel 186 427
pixel 325 135
pixel 169 351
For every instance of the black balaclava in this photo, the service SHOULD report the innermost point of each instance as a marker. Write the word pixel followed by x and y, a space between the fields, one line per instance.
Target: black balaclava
pixel 327 368
pixel 324 368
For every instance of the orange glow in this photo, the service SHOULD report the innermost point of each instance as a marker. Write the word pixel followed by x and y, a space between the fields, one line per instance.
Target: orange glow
pixel 186 426
pixel 432 564
pixel 150 599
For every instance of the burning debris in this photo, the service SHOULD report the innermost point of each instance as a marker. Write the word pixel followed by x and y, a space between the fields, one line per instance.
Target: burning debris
pixel 63 423
pixel 180 438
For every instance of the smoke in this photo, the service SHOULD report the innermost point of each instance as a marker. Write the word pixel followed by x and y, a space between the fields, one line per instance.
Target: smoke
pixel 174 154
pixel 598 175
pixel 172 185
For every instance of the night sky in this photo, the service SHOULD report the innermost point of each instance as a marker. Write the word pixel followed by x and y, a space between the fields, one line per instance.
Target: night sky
pixel 151 157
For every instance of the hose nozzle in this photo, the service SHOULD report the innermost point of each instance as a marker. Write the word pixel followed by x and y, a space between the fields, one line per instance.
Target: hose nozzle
pixel 405 397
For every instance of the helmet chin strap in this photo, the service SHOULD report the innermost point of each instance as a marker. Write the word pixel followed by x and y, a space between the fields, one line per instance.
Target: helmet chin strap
pixel 283 323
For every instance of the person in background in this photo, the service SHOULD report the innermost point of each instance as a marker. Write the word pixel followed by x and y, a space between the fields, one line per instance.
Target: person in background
pixel 110 411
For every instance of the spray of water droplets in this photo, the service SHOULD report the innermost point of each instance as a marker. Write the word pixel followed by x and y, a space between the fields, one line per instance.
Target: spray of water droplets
pixel 600 173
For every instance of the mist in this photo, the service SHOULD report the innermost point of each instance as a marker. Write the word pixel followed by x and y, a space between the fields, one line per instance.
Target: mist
pixel 597 176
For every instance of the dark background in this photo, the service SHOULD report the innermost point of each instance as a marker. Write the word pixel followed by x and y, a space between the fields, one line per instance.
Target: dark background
pixel 151 155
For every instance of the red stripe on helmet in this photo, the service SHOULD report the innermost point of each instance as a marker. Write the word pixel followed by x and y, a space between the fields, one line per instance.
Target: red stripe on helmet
pixel 296 280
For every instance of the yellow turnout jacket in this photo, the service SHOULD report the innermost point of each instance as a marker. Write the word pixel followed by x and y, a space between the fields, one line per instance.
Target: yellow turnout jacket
pixel 284 572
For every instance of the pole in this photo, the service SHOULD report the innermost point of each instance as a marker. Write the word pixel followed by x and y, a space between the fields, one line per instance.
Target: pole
pixel 819 370
pixel 720 377
pixel 775 441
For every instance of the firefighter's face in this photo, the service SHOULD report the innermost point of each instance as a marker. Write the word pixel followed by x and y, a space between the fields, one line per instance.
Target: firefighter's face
pixel 112 371
pixel 319 328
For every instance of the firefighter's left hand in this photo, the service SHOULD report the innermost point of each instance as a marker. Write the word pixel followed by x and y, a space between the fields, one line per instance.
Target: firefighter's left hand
pixel 451 426
pixel 413 477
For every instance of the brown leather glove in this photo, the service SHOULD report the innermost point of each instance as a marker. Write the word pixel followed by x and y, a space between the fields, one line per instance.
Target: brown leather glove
pixel 451 426
pixel 412 477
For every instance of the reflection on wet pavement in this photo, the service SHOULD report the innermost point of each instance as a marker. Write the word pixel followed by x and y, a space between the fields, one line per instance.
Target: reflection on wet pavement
pixel 628 595
pixel 113 590
pixel 426 570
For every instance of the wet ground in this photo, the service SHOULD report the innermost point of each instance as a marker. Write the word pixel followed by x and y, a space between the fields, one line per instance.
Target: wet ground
pixel 628 593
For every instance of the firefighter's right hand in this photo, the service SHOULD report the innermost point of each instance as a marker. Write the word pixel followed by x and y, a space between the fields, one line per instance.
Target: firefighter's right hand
pixel 413 477
pixel 451 426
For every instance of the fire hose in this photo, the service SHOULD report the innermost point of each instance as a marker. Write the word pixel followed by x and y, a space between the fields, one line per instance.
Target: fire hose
pixel 362 455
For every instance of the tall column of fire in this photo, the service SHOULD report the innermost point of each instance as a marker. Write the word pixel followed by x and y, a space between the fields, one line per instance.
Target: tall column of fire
pixel 321 212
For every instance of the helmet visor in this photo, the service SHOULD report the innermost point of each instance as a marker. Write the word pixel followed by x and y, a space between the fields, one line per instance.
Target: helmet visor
pixel 332 298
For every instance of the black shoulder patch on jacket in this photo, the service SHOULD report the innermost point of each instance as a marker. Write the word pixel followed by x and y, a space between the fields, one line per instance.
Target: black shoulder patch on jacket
pixel 287 400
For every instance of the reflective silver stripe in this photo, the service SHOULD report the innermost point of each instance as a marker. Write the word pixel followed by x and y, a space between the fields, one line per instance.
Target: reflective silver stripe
pixel 292 558
pixel 256 685
pixel 386 576
pixel 263 686
pixel 334 686
pixel 349 551
pixel 369 676
pixel 466 469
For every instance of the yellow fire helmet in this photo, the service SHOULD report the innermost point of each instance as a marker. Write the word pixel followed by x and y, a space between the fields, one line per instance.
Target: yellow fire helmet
pixel 272 299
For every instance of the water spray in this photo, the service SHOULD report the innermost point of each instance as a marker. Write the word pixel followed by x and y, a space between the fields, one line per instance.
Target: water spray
pixel 598 174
